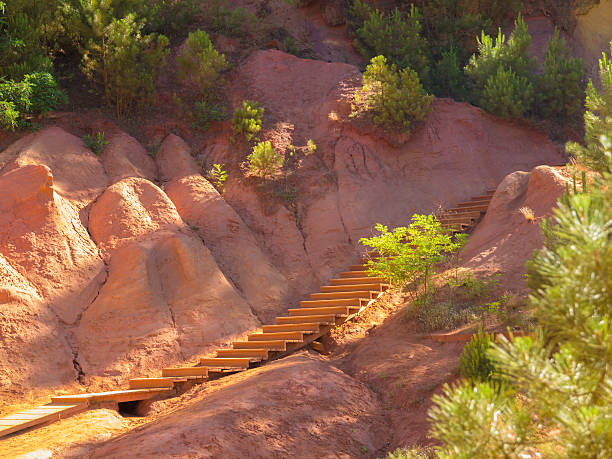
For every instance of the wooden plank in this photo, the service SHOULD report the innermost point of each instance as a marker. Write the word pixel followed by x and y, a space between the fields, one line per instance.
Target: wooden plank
pixel 287 336
pixel 357 280
pixel 318 319
pixel 358 267
pixel 272 345
pixel 219 362
pixel 332 302
pixel 354 274
pixel 258 353
pixel 115 396
pixel 146 383
pixel 185 371
pixel 353 287
pixel 337 310
pixel 301 327
pixel 48 413
pixel 365 294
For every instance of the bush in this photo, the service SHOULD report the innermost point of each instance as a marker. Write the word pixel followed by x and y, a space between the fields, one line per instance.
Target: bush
pixel 247 119
pixel 397 37
pixel 217 175
pixel 474 363
pixel 561 89
pixel 507 94
pixel 206 113
pixel 396 98
pixel 407 255
pixel 264 161
pixel 597 120
pixel 235 23
pixel 36 94
pixel 201 64
pixel 95 142
pixel 448 78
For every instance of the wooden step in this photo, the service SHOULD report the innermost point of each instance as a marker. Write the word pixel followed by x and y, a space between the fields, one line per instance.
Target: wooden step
pixel 272 345
pixel 285 336
pixel 358 280
pixel 332 302
pixel 378 287
pixel 365 294
pixel 337 310
pixel 228 362
pixel 360 267
pixel 146 383
pixel 303 327
pixel 39 415
pixel 482 202
pixel 354 274
pixel 185 371
pixel 466 209
pixel 118 396
pixel 450 215
pixel 320 319
pixel 259 354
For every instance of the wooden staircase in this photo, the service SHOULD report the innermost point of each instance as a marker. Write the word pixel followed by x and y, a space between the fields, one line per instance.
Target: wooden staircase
pixel 338 302
pixel 465 215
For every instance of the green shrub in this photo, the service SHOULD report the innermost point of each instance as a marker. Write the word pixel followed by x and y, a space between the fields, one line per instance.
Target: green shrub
pixel 95 142
pixel 218 175
pixel 426 452
pixel 448 78
pixel 201 64
pixel 206 113
pixel 560 92
pixel 9 116
pixel 407 255
pixel 247 119
pixel 397 37
pixel 264 161
pixel 396 98
pixel 171 16
pixel 597 120
pixel 235 23
pixel 36 94
pixel 505 67
pixel 474 363
pixel 507 94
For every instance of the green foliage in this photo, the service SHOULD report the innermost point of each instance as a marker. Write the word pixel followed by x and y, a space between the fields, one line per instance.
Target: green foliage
pixel 310 146
pixel 560 92
pixel 264 161
pixel 412 453
pixel 234 23
pixel 206 113
pixel 474 363
pixel 397 37
pixel 171 16
pixel 201 64
pixel 407 255
pixel 507 94
pixel 479 421
pixel 247 119
pixel 563 372
pixel 36 94
pixel 503 69
pixel 125 62
pixel 96 142
pixel 396 98
pixel 218 175
pixel 597 120
pixel 448 78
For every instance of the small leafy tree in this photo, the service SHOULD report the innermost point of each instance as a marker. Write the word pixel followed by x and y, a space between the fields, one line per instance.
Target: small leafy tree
pixel 218 175
pixel 397 37
pixel 407 255
pixel 560 92
pixel 396 98
pixel 201 64
pixel 264 161
pixel 597 120
pixel 247 119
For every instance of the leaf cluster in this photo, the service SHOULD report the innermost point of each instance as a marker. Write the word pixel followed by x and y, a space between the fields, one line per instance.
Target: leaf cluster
pixel 264 161
pixel 247 119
